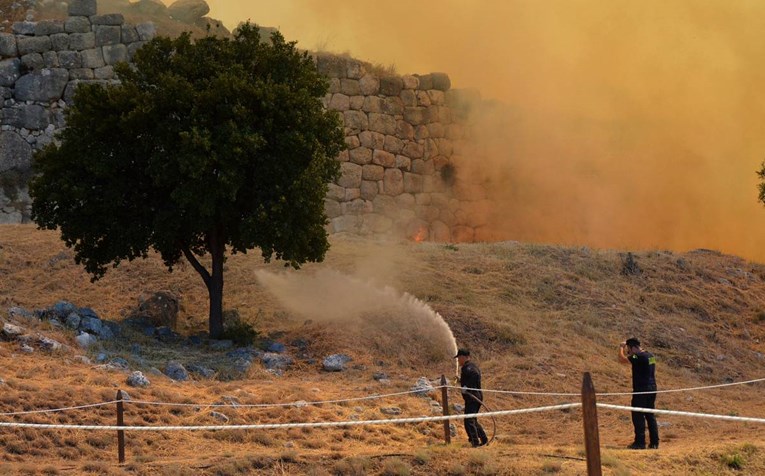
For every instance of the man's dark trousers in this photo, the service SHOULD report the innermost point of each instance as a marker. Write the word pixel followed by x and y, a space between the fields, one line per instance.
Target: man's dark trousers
pixel 639 419
pixel 474 430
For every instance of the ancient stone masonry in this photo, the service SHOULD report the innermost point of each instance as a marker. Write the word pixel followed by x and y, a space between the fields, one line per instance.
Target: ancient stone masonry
pixel 41 64
pixel 402 174
pixel 405 142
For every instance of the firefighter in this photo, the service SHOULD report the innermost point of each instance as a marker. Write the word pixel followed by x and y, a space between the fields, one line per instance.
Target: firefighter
pixel 643 383
pixel 470 383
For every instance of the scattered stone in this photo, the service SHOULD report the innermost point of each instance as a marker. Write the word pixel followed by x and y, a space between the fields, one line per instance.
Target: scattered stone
pixel 64 308
pixel 380 376
pixel 276 347
pixel 423 387
pixel 82 359
pixel 91 325
pixel 219 416
pixel 220 344
pixel 160 309
pixel 26 348
pixel 125 395
pixel 11 331
pixel 335 362
pixel 85 340
pixel 197 369
pixel 73 320
pixel 119 363
pixel 176 371
pixel 300 404
pixel 276 372
pixel 276 361
pixel 459 408
pixel 101 357
pixel 137 379
pixel 20 312
pixel 390 410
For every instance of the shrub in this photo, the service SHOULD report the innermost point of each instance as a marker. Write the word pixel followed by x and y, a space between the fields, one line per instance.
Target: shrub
pixel 395 467
pixel 733 461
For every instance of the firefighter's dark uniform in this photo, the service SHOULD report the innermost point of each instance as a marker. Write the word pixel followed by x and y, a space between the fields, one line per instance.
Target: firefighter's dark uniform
pixel 470 379
pixel 644 380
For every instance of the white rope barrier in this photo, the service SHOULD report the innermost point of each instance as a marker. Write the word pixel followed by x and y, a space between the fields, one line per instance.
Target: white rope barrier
pixel 614 394
pixel 680 413
pixel 55 410
pixel 264 426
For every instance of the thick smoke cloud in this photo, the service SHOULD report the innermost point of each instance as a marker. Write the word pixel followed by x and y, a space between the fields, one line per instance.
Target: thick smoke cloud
pixel 622 124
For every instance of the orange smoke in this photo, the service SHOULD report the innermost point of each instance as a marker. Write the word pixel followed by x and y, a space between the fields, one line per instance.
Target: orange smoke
pixel 618 124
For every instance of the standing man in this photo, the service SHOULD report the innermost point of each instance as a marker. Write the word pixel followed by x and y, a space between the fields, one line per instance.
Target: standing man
pixel 643 382
pixel 470 381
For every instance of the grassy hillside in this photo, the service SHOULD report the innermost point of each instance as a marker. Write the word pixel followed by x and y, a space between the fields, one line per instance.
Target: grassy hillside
pixel 535 316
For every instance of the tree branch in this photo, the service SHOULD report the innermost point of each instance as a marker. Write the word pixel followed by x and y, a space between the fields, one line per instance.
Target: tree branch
pixel 197 265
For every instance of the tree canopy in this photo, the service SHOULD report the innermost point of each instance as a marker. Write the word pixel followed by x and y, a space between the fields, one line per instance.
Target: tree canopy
pixel 204 146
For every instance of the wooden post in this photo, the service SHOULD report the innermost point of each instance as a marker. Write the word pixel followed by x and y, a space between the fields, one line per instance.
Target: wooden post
pixel 591 436
pixel 120 433
pixel 445 398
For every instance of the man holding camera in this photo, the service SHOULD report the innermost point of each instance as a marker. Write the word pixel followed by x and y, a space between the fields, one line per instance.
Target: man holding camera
pixel 644 391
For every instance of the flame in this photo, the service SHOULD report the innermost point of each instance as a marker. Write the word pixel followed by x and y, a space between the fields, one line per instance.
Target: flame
pixel 421 235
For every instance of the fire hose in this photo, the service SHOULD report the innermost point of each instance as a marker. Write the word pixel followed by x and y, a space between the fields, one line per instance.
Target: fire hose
pixel 493 420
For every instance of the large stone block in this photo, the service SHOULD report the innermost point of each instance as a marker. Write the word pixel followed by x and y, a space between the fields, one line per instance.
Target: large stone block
pixel 151 7
pixel 413 183
pixel 350 87
pixel 111 19
pixel 24 28
pixel 107 35
pixel 391 85
pixel 50 59
pixel 70 59
pixel 92 58
pixel 393 105
pixel 340 102
pixel 33 44
pixel 372 104
pixel 83 8
pixel 393 183
pixel 372 140
pixel 82 41
pixel 369 85
pixel 355 121
pixel 441 81
pixel 350 175
pixel 360 155
pixel 49 27
pixel 32 61
pixel 415 115
pixel 146 31
pixel 106 72
pixel 382 123
pixel 34 116
pixel 374 223
pixel 15 152
pixel 393 144
pixel 81 73
pixel 59 41
pixel 369 189
pixel 43 86
pixel 386 159
pixel 372 172
pixel 10 71
pixel 129 34
pixel 77 25
pixel 8 45
pixel 114 54
pixel 331 66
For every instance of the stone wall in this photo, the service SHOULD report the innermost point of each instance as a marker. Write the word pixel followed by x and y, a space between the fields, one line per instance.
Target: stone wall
pixel 41 64
pixel 405 136
pixel 406 139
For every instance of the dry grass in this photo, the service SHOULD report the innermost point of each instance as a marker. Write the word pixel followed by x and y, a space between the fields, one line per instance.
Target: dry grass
pixel 536 317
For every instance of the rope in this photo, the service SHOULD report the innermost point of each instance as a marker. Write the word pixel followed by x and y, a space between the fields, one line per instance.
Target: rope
pixel 289 425
pixel 614 394
pixel 54 410
pixel 675 412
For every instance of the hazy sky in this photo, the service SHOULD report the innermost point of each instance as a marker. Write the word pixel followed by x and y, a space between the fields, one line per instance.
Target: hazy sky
pixel 630 124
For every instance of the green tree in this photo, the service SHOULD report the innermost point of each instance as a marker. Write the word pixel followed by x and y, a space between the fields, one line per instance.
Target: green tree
pixel 204 146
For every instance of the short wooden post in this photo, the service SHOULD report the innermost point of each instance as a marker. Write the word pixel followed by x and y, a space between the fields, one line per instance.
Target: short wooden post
pixel 591 436
pixel 445 398
pixel 120 433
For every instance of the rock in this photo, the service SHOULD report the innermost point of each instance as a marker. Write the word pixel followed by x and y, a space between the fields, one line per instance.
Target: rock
pixel 87 312
pixel 176 371
pixel 188 11
pixel 276 347
pixel 11 331
pixel 85 340
pixel 73 320
pixel 10 71
pixel 159 309
pixel 90 325
pixel 15 152
pixel 380 376
pixel 197 369
pixel 26 348
pixel 101 357
pixel 48 344
pixel 137 379
pixel 390 410
pixel 82 359
pixel 276 361
pixel 84 8
pixel 458 408
pixel 125 395
pixel 119 363
pixel 276 372
pixel 219 416
pixel 20 312
pixel 150 7
pixel 335 362
pixel 423 387
pixel 44 85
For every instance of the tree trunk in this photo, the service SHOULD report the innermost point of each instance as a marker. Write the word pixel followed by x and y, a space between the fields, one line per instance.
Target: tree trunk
pixel 215 286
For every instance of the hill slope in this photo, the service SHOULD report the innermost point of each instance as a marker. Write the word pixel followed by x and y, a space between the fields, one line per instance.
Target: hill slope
pixel 535 316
